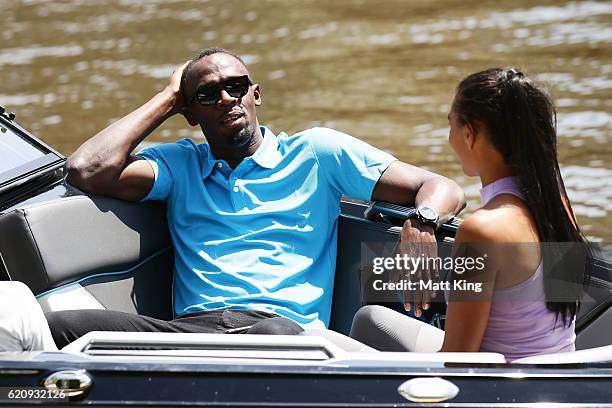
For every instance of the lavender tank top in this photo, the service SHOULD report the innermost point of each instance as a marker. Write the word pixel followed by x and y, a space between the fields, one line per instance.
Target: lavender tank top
pixel 521 328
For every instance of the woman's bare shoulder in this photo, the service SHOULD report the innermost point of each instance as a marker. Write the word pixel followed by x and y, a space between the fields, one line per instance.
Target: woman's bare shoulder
pixel 482 226
pixel 506 235
pixel 503 223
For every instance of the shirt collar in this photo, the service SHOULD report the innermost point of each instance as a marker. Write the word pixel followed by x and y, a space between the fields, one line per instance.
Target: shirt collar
pixel 267 154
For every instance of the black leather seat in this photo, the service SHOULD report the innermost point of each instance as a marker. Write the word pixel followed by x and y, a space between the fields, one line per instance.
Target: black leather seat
pixel 91 252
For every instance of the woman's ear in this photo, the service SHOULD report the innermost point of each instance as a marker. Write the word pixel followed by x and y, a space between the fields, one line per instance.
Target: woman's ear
pixel 471 130
pixel 257 94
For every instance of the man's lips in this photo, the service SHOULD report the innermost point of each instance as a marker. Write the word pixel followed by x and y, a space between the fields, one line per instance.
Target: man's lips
pixel 231 117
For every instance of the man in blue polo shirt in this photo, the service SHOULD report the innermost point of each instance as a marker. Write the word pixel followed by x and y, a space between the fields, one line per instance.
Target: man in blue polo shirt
pixel 252 215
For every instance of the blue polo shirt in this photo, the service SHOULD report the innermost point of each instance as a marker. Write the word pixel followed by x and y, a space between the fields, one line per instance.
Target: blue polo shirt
pixel 263 235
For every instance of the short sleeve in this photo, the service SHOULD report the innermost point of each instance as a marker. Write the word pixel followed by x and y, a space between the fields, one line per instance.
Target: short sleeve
pixel 166 160
pixel 352 166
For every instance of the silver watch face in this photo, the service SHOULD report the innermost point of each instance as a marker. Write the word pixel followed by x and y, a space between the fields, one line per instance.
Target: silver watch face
pixel 427 214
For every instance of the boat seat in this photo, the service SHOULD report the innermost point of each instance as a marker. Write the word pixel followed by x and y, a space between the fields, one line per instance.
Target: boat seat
pixel 84 252
pixel 594 317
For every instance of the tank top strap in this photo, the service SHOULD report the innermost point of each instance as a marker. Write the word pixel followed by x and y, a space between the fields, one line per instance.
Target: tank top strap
pixel 506 185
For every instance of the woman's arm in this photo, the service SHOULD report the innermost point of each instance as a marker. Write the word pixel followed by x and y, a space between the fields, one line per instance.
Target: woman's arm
pixel 468 311
pixel 465 325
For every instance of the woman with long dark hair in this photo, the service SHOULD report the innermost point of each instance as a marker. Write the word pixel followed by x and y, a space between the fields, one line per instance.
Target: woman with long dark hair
pixel 503 130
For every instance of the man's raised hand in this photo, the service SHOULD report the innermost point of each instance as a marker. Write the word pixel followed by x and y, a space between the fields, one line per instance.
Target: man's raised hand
pixel 174 88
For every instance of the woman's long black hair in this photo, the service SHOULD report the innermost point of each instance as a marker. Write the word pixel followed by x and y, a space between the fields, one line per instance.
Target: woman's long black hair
pixel 521 120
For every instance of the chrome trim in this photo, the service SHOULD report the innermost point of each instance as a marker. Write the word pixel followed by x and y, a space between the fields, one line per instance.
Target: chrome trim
pixel 472 373
pixel 428 389
pixel 73 383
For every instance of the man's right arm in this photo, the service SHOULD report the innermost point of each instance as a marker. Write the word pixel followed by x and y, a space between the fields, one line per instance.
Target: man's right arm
pixel 104 164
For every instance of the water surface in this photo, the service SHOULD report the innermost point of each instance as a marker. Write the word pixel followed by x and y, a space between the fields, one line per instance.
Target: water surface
pixel 383 71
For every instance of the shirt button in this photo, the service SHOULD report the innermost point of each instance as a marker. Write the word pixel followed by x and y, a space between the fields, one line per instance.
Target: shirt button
pixel 219 165
pixel 236 189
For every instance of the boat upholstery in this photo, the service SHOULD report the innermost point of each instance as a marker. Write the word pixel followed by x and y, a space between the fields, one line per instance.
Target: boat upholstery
pixel 91 252
pixel 597 333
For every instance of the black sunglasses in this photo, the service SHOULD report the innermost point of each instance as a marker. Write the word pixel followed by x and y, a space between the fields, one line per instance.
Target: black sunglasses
pixel 210 94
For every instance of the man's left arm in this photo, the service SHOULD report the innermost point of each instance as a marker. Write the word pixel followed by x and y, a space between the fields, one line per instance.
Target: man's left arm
pixel 408 185
pixel 359 170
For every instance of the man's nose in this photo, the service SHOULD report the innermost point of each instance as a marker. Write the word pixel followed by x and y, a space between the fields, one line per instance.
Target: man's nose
pixel 226 99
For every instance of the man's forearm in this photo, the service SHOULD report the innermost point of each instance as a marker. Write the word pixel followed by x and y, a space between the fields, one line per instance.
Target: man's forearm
pixel 101 159
pixel 443 195
pixel 405 184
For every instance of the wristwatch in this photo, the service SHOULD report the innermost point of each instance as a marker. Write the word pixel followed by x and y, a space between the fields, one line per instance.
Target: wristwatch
pixel 427 216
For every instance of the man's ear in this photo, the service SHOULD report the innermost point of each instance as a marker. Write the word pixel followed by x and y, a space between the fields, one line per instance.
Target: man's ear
pixel 257 94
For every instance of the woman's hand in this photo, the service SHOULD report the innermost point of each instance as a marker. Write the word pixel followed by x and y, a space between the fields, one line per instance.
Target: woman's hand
pixel 417 240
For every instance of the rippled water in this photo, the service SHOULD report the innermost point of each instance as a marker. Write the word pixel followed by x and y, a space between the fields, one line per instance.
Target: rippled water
pixel 383 71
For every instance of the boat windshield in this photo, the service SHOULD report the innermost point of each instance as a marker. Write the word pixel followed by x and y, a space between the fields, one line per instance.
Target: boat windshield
pixel 16 151
pixel 22 155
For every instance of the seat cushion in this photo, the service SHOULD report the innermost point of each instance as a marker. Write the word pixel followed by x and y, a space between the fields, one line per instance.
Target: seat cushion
pixel 93 252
